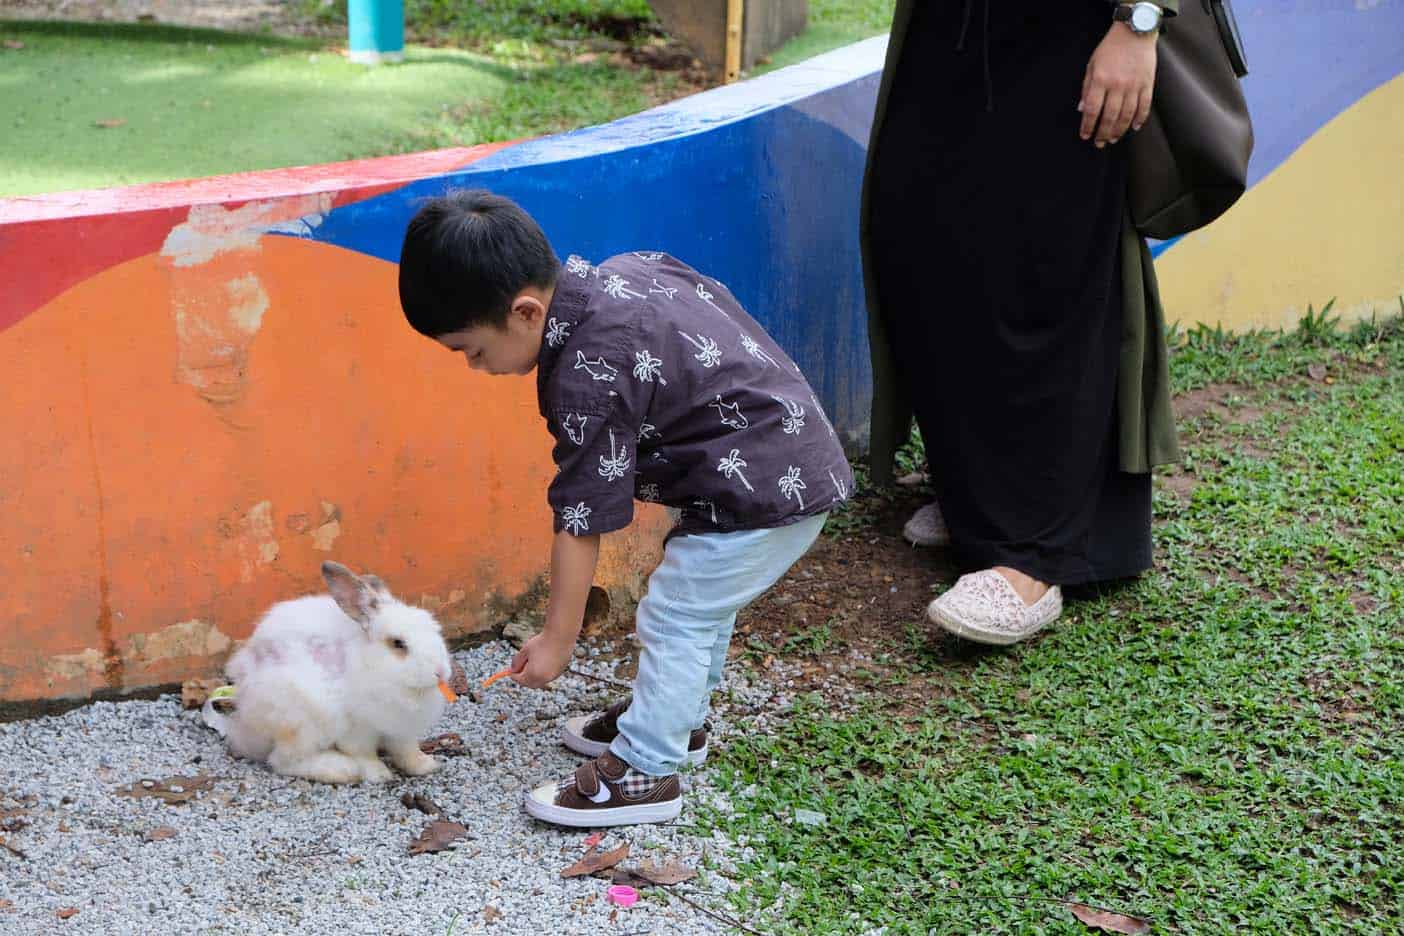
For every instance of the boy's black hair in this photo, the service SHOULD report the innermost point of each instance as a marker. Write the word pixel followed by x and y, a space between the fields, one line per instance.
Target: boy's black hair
pixel 466 255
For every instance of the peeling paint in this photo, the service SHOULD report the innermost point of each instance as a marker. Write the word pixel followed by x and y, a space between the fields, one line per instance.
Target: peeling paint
pixel 325 535
pixel 248 302
pixel 210 230
pixel 193 638
pixel 257 547
pixel 76 666
pixel 214 332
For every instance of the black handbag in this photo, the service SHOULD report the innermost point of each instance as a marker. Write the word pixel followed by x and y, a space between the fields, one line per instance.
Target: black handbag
pixel 1189 161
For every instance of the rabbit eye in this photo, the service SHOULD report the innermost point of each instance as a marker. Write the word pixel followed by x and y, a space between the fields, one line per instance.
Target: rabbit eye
pixel 398 644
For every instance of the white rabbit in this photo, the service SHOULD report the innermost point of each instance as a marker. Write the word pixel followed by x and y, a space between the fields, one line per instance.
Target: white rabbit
pixel 327 681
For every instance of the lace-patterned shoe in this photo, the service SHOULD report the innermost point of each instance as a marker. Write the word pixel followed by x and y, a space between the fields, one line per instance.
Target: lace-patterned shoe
pixel 985 608
pixel 591 734
pixel 606 792
pixel 927 527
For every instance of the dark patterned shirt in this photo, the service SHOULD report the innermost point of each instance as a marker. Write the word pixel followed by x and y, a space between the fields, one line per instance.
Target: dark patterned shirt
pixel 657 385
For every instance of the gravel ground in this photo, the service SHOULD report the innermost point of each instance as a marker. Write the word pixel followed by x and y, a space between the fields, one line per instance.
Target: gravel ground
pixel 259 853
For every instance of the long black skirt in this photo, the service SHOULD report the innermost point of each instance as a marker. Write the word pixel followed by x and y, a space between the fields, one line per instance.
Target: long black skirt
pixel 995 241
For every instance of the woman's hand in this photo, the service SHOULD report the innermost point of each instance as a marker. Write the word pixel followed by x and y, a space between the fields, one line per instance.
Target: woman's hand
pixel 1116 91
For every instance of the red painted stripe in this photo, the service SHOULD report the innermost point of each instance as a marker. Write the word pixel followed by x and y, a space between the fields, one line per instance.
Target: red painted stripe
pixel 50 243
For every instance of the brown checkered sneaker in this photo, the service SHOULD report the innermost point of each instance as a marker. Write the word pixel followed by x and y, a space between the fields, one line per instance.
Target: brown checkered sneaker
pixel 606 792
pixel 591 734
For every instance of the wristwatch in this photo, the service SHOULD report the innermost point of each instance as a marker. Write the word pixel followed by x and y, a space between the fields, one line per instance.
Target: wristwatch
pixel 1143 18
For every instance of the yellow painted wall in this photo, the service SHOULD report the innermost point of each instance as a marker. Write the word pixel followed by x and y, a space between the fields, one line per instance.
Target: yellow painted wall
pixel 1327 223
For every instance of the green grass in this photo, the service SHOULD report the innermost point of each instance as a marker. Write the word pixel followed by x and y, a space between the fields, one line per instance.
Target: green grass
pixel 833 23
pixel 1215 747
pixel 198 102
pixel 201 102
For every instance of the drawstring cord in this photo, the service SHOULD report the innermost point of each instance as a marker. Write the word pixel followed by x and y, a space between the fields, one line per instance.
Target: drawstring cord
pixel 964 26
pixel 984 46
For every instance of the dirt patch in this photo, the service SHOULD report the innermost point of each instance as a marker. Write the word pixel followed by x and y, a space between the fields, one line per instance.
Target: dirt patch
pixel 1178 482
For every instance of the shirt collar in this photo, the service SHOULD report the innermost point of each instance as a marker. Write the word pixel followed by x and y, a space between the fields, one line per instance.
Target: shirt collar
pixel 569 307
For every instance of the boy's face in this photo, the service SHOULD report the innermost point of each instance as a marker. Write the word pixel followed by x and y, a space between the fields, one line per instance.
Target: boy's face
pixel 509 349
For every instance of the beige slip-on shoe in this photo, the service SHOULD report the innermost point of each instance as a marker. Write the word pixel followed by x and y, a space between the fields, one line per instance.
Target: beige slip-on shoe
pixel 985 608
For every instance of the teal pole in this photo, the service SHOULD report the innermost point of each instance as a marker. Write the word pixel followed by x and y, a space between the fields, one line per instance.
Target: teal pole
pixel 377 30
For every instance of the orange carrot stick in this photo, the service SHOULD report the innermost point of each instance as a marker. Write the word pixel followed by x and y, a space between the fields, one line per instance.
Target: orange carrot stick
pixel 449 694
pixel 495 677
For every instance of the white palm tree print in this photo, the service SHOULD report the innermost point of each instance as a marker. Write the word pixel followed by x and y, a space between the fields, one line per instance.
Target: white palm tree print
pixel 793 420
pixel 556 332
pixel 839 486
pixel 754 349
pixel 649 431
pixel 732 465
pixel 648 368
pixel 614 467
pixel 707 351
pixel 575 519
pixel 660 289
pixel 791 485
pixel 578 266
pixel 618 287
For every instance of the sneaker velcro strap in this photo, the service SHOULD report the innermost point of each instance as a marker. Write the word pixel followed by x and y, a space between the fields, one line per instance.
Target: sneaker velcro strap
pixel 587 779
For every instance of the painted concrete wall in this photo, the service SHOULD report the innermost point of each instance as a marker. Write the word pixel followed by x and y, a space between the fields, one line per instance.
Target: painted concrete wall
pixel 1322 218
pixel 209 386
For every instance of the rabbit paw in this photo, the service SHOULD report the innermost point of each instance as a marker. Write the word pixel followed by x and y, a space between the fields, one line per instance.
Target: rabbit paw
pixel 373 770
pixel 415 762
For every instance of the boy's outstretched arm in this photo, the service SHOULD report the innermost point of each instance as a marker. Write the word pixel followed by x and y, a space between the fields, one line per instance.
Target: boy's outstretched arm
pixel 546 656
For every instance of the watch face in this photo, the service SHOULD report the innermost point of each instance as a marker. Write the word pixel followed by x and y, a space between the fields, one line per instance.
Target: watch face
pixel 1144 17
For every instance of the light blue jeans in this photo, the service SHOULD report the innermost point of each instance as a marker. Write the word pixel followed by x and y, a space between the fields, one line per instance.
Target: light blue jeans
pixel 684 625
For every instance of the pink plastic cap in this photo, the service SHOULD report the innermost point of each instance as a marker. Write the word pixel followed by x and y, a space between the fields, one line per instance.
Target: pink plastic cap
pixel 622 895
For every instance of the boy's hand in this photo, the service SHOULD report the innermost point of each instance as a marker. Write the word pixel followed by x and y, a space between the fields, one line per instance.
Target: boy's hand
pixel 541 660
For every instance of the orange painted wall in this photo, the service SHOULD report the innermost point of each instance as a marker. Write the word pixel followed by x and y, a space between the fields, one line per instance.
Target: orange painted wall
pixel 190 432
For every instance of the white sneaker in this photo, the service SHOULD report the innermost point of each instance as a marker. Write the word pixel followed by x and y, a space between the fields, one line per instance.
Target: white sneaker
pixel 927 527
pixel 985 608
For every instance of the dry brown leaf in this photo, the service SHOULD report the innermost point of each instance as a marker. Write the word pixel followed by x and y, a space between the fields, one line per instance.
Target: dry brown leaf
pixel 160 834
pixel 194 692
pixel 913 479
pixel 447 745
pixel 12 849
pixel 6 904
pixel 14 44
pixel 491 914
pixel 673 872
pixel 596 861
pixel 422 803
pixel 111 123
pixel 458 680
pixel 1109 922
pixel 439 835
pixel 172 791
pixel 66 912
pixel 12 820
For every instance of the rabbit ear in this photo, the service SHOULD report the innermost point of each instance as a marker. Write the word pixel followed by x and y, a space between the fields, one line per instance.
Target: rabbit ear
pixel 376 585
pixel 351 594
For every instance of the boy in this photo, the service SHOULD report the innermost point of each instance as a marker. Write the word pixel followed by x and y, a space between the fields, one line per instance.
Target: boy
pixel 656 385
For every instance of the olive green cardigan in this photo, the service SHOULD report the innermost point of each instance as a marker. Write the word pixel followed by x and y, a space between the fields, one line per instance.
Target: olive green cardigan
pixel 1145 422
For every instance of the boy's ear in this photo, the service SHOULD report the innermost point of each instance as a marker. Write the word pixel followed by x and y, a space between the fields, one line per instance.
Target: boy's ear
pixel 529 308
